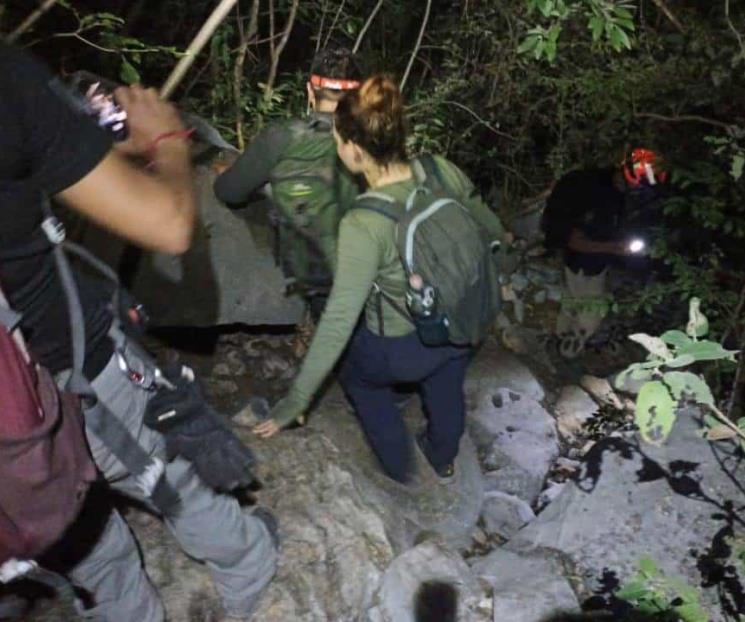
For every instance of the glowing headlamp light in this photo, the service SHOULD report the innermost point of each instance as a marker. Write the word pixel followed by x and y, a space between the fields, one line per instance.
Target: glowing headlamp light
pixel 637 245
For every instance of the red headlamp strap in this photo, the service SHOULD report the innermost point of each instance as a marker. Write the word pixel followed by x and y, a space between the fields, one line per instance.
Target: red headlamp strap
pixel 321 82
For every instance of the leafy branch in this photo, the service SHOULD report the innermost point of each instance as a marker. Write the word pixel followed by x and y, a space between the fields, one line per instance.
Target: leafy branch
pixel 665 386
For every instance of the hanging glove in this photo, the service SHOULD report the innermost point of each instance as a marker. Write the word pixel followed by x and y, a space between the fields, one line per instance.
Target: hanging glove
pixel 193 430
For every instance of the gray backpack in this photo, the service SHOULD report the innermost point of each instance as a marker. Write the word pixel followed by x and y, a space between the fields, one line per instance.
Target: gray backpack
pixel 440 241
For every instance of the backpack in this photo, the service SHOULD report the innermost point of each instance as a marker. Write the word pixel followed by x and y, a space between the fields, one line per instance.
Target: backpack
pixel 45 465
pixel 439 240
pixel 311 190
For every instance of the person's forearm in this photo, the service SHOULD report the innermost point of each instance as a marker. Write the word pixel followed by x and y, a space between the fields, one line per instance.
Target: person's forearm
pixel 172 165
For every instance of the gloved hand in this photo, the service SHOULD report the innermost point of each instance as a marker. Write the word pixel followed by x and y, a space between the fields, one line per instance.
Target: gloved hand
pixel 193 430
pixel 286 411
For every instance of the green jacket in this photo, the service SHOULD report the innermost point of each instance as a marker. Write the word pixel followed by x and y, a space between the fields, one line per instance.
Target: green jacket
pixel 367 253
pixel 310 190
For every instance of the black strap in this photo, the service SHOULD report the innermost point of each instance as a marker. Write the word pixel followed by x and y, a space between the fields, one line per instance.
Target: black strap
pixel 433 173
pixel 117 438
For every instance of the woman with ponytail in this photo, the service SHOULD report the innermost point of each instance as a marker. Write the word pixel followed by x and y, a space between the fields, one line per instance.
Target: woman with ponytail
pixel 370 133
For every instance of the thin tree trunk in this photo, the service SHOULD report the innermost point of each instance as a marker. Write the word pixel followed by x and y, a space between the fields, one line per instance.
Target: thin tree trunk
pixel 417 46
pixel 204 34
pixel 333 24
pixel 30 20
pixel 369 21
pixel 660 4
pixel 276 52
pixel 246 38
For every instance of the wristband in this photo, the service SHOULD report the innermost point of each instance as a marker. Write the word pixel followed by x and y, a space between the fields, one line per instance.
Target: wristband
pixel 185 134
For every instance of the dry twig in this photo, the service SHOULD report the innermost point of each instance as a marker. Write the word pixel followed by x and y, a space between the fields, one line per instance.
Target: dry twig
pixel 369 21
pixel 415 51
pixel 30 20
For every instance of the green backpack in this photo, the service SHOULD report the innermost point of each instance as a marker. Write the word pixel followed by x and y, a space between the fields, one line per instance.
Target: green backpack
pixel 439 240
pixel 311 190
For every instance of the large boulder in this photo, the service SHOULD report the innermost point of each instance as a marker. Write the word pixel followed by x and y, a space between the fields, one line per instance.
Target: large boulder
pixel 675 503
pixel 228 276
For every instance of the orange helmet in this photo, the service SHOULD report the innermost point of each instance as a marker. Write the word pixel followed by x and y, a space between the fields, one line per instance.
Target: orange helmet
pixel 641 167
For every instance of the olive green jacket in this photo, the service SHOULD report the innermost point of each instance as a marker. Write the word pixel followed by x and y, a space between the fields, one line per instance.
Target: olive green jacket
pixel 367 253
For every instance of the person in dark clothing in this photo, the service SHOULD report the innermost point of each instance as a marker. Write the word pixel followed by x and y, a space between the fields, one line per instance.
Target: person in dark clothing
pixel 48 149
pixel 587 217
pixel 308 186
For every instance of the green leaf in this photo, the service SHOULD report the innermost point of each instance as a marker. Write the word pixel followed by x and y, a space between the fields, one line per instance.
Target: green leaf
pixel 697 325
pixel 127 73
pixel 632 591
pixel 528 44
pixel 655 412
pixel 654 345
pixel 738 162
pixel 596 26
pixel 675 338
pixel 680 361
pixel 648 567
pixel 706 351
pixel 683 383
pixel 691 612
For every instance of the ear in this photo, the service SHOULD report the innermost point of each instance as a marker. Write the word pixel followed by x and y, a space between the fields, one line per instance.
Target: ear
pixel 357 153
pixel 311 95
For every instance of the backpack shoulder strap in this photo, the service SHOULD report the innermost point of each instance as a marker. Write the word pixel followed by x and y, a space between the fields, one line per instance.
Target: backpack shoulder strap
pixel 379 202
pixel 427 172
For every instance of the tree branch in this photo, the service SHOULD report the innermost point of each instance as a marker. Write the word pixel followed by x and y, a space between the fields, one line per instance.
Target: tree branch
pixel 277 51
pixel 415 51
pixel 660 4
pixel 733 29
pixel 682 118
pixel 30 20
pixel 320 26
pixel 245 37
pixel 199 41
pixel 369 21
pixel 333 24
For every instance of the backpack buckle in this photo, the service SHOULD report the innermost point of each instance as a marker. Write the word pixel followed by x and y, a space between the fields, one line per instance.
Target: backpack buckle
pixel 53 229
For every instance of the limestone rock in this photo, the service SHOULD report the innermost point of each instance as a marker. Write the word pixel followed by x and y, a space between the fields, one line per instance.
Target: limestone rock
pixel 527 587
pixel 494 367
pixel 228 276
pixel 635 500
pixel 573 409
pixel 516 439
pixel 504 514
pixel 601 390
pixel 404 586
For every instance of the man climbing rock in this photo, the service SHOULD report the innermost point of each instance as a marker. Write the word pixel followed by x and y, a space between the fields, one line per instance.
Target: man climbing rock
pixel 309 187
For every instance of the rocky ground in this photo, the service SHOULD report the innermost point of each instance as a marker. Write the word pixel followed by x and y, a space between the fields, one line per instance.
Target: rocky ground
pixel 541 519
pixel 555 500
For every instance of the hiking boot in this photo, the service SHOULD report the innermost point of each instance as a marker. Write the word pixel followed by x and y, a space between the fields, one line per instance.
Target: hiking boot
pixel 446 473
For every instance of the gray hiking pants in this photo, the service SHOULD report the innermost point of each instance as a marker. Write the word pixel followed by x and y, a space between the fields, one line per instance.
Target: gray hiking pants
pixel 210 527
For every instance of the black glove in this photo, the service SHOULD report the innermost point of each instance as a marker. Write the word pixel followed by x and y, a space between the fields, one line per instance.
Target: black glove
pixel 193 430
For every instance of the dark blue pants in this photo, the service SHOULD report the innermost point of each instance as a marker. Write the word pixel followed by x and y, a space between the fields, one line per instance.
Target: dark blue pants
pixel 371 368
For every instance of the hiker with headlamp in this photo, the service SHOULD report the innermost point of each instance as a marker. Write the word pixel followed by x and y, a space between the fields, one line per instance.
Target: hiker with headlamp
pixel 308 187
pixel 596 219
pixel 150 432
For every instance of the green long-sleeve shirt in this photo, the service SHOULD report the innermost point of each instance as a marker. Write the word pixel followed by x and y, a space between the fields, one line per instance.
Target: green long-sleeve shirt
pixel 367 253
